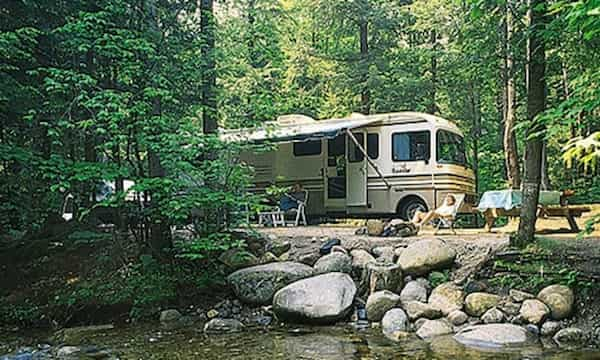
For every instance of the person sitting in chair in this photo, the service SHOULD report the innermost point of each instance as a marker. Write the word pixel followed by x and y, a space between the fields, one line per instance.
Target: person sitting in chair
pixel 291 199
pixel 446 210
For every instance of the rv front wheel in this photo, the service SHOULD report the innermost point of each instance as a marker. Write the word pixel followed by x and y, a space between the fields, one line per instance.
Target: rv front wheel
pixel 409 207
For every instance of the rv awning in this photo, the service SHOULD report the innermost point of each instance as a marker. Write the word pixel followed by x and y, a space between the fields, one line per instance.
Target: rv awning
pixel 314 130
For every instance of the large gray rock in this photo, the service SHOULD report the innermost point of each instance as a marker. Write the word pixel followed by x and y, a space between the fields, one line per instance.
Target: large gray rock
pixel 569 337
pixel 257 284
pixel 447 297
pixel 417 309
pixel 360 259
pixel 477 303
pixel 423 256
pixel 534 311
pixel 394 321
pixel 323 298
pixel 334 262
pixel 223 326
pixel 384 254
pixel 549 328
pixel 559 299
pixel 379 302
pixel 414 291
pixel 433 328
pixel 494 335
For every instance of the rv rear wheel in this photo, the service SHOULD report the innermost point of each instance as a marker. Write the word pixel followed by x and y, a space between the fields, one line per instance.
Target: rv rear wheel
pixel 410 206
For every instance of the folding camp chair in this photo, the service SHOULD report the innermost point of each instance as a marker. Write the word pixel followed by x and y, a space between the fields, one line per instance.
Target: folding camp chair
pixel 448 221
pixel 300 212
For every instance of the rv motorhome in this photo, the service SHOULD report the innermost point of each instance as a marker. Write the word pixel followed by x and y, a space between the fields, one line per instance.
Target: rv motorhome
pixel 363 166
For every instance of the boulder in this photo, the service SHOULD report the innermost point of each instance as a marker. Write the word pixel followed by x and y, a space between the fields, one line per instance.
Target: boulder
pixel 559 299
pixel 237 258
pixel 549 328
pixel 569 337
pixel 381 276
pixel 423 256
pixel 534 311
pixel 378 303
pixel 417 309
pixel 323 298
pixel 360 259
pixel 476 304
pixel 519 296
pixel 258 284
pixel 394 321
pixel 492 316
pixel 384 254
pixel 334 262
pixel 219 325
pixel 494 336
pixel 413 291
pixel 475 286
pixel 278 247
pixel 447 297
pixel 433 328
pixel 419 322
pixel 457 317
pixel 375 227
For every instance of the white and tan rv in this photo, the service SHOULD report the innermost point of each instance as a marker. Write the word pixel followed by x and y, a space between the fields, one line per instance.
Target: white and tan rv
pixel 363 166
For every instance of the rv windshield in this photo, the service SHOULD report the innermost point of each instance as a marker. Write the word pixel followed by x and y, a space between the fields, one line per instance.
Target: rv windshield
pixel 450 148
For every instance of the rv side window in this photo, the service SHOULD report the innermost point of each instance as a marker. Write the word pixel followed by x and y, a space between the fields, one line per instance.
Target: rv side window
pixel 354 153
pixel 410 146
pixel 307 148
pixel 373 146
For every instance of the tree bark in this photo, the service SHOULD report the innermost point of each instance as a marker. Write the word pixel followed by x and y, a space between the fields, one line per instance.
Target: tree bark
pixel 160 231
pixel 476 131
pixel 510 142
pixel 433 106
pixel 209 81
pixel 365 95
pixel 536 102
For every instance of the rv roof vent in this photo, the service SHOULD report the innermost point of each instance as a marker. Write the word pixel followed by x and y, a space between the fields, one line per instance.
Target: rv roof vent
pixel 294 119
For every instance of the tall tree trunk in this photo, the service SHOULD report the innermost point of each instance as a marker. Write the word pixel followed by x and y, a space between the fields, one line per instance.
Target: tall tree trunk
pixel 510 142
pixel 160 231
pixel 365 94
pixel 476 131
pixel 536 102
pixel 432 105
pixel 209 81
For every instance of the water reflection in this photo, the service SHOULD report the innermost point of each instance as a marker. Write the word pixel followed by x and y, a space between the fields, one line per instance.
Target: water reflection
pixel 325 343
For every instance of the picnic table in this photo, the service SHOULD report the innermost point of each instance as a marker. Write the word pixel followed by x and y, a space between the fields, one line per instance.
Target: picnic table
pixel 508 202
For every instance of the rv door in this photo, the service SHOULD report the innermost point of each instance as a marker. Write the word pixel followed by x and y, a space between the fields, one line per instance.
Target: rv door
pixel 356 179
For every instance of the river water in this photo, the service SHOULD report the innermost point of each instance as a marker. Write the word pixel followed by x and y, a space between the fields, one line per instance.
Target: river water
pixel 340 342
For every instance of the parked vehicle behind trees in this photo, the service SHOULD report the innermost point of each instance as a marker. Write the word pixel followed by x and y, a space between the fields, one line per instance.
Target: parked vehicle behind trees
pixel 377 165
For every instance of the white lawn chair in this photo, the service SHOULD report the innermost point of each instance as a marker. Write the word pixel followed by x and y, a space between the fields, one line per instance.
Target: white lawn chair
pixel 448 221
pixel 276 216
pixel 299 213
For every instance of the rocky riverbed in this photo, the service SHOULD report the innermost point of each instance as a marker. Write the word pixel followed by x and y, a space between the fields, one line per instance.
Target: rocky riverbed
pixel 334 297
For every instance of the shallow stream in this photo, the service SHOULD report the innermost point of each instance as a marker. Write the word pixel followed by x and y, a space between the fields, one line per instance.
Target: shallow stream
pixel 340 342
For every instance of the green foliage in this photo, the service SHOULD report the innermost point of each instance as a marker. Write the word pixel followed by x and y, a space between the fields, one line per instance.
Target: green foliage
pixel 438 277
pixel 23 314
